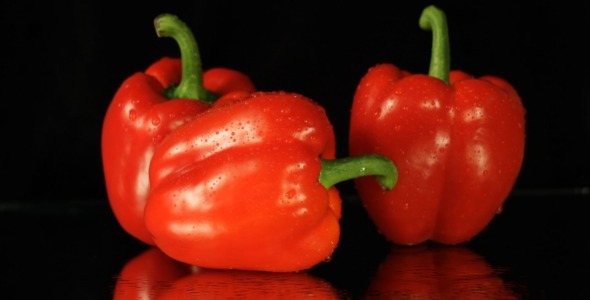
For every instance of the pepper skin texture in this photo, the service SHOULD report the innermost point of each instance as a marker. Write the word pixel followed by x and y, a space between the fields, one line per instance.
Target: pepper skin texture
pixel 137 120
pixel 238 188
pixel 458 149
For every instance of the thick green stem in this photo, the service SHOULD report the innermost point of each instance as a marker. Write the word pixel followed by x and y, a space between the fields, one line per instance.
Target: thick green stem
pixel 338 170
pixel 191 84
pixel 434 19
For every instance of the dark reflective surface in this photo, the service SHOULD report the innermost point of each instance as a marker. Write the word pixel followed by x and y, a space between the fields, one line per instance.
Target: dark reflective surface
pixel 536 249
pixel 438 272
pixel 153 275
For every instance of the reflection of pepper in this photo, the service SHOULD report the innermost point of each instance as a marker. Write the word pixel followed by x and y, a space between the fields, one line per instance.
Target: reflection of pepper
pixel 437 272
pixel 458 143
pixel 153 275
pixel 249 185
pixel 146 108
pixel 149 273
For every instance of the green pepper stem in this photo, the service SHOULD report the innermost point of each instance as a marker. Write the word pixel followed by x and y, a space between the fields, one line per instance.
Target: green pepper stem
pixel 191 84
pixel 434 19
pixel 338 170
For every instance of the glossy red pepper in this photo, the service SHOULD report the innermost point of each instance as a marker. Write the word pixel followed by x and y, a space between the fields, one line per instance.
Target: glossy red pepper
pixel 146 108
pixel 249 185
pixel 458 143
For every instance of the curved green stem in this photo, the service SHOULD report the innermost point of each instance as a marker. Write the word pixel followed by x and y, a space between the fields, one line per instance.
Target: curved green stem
pixel 338 170
pixel 191 84
pixel 434 19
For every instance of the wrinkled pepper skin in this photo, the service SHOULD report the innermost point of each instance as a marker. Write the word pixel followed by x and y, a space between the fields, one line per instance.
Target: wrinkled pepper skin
pixel 458 148
pixel 138 118
pixel 237 187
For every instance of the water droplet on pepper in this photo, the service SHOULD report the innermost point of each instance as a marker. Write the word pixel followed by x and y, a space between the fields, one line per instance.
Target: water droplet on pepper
pixel 132 114
pixel 156 121
pixel 290 194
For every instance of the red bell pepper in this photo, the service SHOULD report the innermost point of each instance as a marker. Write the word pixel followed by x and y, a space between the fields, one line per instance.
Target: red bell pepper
pixel 146 108
pixel 458 143
pixel 249 185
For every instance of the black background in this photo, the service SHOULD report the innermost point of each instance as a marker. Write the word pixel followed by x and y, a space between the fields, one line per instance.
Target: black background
pixel 63 61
